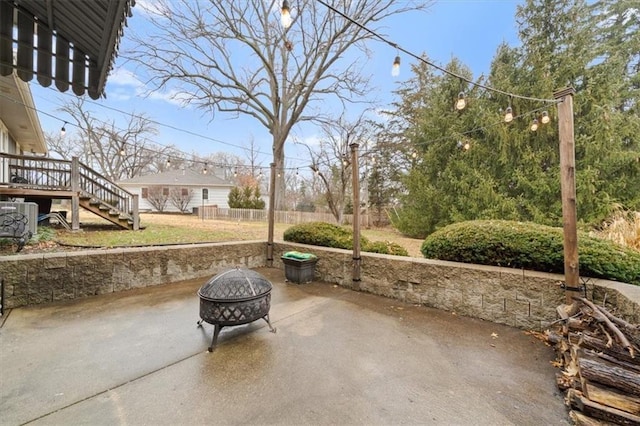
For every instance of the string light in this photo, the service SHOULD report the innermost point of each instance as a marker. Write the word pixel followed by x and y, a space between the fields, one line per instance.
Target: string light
pixel 63 130
pixel 461 102
pixel 168 161
pixel 122 151
pixel 534 125
pixel 508 115
pixel 205 170
pixel 235 172
pixel 545 117
pixel 414 154
pixel 285 15
pixel 395 68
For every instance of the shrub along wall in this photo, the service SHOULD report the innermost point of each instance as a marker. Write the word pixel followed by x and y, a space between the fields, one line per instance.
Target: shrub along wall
pixel 518 298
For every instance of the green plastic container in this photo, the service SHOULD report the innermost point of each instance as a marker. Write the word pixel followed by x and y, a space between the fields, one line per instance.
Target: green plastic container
pixel 299 267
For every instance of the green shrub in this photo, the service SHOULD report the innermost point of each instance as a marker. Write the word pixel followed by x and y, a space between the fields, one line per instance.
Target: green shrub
pixel 530 246
pixel 385 247
pixel 330 235
pixel 322 234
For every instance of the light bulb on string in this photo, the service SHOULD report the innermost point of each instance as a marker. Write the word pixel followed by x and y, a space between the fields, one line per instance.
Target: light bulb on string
pixel 414 154
pixel 466 146
pixel 508 115
pixel 297 173
pixel 235 172
pixel 534 125
pixel 461 102
pixel 285 15
pixel 169 162
pixel 205 170
pixel 63 130
pixel 122 151
pixel 395 68
pixel 545 117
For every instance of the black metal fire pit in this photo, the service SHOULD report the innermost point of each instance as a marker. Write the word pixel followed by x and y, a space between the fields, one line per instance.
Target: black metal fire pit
pixel 234 297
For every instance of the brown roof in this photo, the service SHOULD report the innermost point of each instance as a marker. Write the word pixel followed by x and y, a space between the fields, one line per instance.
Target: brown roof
pixel 84 34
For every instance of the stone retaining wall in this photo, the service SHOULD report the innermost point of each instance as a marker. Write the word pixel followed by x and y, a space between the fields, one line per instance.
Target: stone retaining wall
pixel 42 278
pixel 519 298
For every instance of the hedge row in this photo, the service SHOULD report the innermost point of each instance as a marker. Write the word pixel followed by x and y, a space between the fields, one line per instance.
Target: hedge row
pixel 530 246
pixel 330 235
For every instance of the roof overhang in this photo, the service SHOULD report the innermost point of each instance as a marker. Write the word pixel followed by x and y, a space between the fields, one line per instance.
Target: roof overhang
pixel 70 43
pixel 18 113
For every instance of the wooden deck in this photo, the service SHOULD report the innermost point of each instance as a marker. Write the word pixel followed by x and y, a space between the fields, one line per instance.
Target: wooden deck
pixel 32 177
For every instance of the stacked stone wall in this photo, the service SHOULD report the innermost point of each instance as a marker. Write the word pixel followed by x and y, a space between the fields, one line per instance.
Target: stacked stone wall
pixel 43 278
pixel 519 298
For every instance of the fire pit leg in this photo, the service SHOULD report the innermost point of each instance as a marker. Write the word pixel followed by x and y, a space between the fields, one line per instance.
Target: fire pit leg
pixel 266 318
pixel 216 331
pixel 200 323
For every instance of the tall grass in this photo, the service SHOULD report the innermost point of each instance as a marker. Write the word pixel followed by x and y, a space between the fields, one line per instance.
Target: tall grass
pixel 623 227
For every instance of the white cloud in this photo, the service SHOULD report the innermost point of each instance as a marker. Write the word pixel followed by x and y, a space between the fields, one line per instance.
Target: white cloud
pixel 152 7
pixel 123 77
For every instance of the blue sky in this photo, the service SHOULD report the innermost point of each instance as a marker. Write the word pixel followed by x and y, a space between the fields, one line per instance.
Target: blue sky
pixel 470 30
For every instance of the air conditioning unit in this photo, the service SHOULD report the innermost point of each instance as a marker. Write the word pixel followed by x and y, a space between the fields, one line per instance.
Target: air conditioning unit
pixel 27 211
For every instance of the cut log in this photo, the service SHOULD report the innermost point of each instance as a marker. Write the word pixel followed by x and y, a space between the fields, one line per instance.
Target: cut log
pixel 579 402
pixel 615 377
pixel 590 342
pixel 583 420
pixel 612 398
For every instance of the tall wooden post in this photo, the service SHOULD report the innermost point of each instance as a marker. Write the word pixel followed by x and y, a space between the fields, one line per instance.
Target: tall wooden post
pixel 75 196
pixel 355 183
pixel 135 211
pixel 568 189
pixel 271 214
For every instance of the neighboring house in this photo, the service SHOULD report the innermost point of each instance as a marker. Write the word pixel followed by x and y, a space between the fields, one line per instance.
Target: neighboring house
pixel 200 189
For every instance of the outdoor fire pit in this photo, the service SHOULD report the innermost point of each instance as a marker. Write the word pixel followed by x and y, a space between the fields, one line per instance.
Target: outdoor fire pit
pixel 234 297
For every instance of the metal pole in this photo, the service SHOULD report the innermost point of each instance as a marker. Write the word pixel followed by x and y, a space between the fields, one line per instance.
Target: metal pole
pixel 568 190
pixel 271 214
pixel 355 179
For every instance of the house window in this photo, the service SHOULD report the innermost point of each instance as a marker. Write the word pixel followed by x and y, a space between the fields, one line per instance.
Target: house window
pixel 145 192
pixel 205 194
pixel 165 192
pixel 185 192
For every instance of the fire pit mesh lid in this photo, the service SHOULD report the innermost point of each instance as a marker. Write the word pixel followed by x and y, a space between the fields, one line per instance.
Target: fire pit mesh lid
pixel 235 284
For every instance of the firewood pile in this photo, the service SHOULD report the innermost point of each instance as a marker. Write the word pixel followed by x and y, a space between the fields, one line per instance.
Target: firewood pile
pixel 599 355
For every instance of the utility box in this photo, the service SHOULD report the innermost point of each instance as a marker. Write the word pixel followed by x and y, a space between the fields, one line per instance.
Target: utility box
pixel 26 213
pixel 299 267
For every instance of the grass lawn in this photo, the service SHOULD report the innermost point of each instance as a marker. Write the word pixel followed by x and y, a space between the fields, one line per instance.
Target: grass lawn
pixel 176 228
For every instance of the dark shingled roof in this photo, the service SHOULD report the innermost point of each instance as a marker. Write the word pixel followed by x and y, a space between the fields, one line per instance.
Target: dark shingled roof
pixel 185 177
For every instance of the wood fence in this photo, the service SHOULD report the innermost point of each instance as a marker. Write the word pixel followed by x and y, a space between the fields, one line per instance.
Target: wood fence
pixel 287 217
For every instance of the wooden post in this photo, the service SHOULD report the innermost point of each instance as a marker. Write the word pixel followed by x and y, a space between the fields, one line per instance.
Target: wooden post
pixel 271 214
pixel 75 197
pixel 355 183
pixel 136 212
pixel 568 190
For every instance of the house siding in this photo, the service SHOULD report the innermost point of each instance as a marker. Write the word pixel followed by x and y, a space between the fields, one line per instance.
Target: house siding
pixel 217 196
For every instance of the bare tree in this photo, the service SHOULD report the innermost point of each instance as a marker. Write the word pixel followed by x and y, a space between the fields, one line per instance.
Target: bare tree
pixel 158 196
pixel 117 153
pixel 235 57
pixel 180 198
pixel 332 160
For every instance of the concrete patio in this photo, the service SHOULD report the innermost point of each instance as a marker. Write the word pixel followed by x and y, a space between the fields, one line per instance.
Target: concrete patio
pixel 338 357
